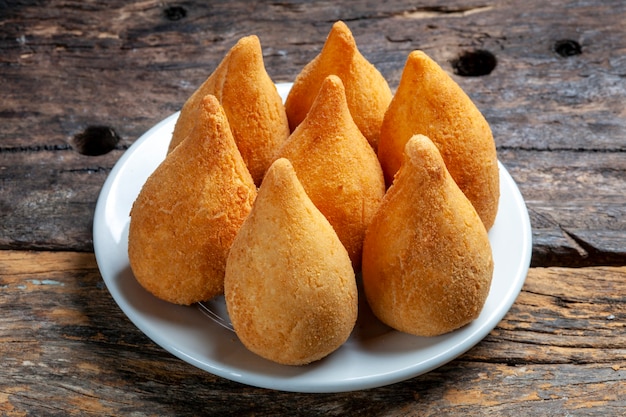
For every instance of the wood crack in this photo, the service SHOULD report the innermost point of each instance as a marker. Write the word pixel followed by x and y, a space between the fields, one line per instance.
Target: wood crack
pixel 519 361
pixel 424 12
pixel 438 11
pixel 88 170
pixel 36 148
pixel 561 149
pixel 584 249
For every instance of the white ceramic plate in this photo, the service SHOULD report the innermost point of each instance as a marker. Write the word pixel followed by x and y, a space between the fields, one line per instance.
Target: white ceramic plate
pixel 373 356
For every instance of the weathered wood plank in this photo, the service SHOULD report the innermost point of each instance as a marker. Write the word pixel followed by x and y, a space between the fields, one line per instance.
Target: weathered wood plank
pixel 66 346
pixel 576 203
pixel 72 65
pixel 48 198
pixel 563 316
pixel 128 63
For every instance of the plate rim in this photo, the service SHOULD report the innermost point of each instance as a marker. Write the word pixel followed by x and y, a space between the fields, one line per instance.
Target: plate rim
pixel 101 230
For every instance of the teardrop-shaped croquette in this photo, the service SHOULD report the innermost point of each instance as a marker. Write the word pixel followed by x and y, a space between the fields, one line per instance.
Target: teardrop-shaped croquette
pixel 337 167
pixel 254 108
pixel 430 103
pixel 427 261
pixel 290 289
pixel 187 214
pixel 367 91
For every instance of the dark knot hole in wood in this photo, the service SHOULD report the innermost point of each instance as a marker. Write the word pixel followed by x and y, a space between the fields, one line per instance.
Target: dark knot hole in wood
pixel 567 48
pixel 474 63
pixel 174 13
pixel 95 140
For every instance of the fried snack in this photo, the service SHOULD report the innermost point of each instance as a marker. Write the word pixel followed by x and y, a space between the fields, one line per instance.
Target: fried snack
pixel 427 262
pixel 429 102
pixel 337 167
pixel 367 90
pixel 251 102
pixel 188 212
pixel 290 289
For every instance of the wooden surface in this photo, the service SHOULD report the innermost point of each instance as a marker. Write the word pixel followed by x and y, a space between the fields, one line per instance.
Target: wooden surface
pixel 75 74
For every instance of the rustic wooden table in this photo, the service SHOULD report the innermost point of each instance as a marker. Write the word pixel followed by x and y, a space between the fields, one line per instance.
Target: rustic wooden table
pixel 86 77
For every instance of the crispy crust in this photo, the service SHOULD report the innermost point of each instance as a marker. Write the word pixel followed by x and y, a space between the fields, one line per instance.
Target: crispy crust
pixel 337 167
pixel 429 102
pixel 251 102
pixel 427 262
pixel 367 91
pixel 188 212
pixel 290 289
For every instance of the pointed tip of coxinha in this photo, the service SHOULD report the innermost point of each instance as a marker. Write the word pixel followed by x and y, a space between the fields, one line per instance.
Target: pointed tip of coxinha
pixel 340 35
pixel 210 143
pixel 281 182
pixel 335 58
pixel 211 119
pixel 248 47
pixel 367 92
pixel 249 41
pixel 333 88
pixel 329 109
pixel 282 197
pixel 418 59
pixel 246 51
pixel 249 99
pixel 281 170
pixel 421 153
pixel 212 137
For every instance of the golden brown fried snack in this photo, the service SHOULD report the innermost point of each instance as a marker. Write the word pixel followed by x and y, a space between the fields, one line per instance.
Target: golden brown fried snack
pixel 188 212
pixel 290 289
pixel 367 91
pixel 427 262
pixel 337 167
pixel 251 102
pixel 429 102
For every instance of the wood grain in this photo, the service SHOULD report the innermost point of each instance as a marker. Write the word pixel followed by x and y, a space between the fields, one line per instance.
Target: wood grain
pixel 558 121
pixel 68 349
